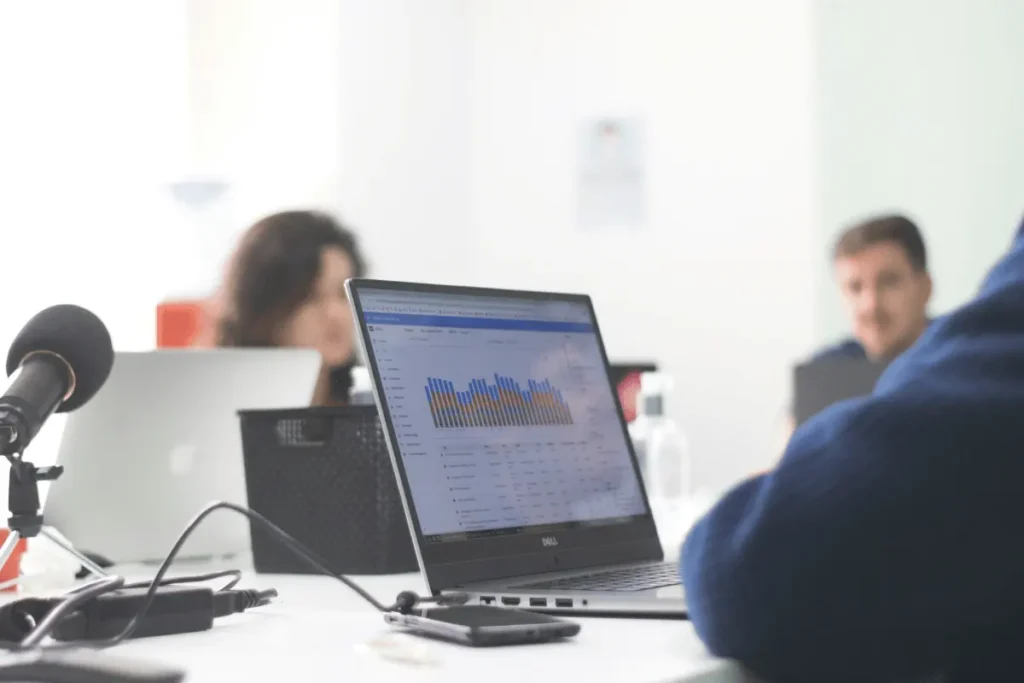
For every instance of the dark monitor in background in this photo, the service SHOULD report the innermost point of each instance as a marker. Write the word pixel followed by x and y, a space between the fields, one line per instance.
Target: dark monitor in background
pixel 626 377
pixel 820 383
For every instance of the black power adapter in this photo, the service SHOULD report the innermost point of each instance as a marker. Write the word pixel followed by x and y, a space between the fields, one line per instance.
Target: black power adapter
pixel 175 609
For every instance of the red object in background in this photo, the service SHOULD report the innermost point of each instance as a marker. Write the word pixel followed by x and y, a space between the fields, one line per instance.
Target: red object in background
pixel 178 323
pixel 12 568
pixel 629 391
pixel 626 378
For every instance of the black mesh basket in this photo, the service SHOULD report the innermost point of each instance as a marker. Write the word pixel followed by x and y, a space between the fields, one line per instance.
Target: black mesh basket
pixel 324 476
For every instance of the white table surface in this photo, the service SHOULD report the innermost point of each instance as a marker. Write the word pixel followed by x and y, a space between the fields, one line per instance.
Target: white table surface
pixel 319 630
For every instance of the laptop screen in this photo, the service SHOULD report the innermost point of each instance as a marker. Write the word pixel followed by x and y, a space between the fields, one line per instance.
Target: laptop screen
pixel 503 413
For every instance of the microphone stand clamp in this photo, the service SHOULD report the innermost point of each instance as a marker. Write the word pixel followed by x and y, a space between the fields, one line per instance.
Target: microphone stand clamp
pixel 26 520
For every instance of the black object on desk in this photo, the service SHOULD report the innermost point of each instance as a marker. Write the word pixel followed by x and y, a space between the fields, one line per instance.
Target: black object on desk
pixel 83 666
pixel 324 476
pixel 484 626
pixel 818 384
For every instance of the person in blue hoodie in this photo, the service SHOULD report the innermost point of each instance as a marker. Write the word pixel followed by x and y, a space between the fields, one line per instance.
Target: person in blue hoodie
pixel 888 543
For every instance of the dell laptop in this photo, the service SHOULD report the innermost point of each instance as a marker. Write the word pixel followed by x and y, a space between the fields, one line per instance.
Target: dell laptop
pixel 510 448
pixel 821 383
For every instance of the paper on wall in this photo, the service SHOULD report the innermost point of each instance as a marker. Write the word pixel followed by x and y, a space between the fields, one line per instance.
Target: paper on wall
pixel 611 186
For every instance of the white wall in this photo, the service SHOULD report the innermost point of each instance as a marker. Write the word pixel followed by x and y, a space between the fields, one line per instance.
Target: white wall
pixel 358 107
pixel 405 136
pixel 718 288
pixel 264 113
pixel 91 120
pixel 919 109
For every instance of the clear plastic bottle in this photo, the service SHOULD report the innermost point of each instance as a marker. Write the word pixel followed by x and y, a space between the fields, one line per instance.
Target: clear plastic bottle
pixel 361 392
pixel 649 403
pixel 665 462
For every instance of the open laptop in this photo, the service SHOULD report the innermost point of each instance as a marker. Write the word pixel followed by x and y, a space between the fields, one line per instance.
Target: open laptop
pixel 820 383
pixel 160 441
pixel 512 455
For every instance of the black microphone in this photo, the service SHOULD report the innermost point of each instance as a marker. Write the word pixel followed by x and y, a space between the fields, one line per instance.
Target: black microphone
pixel 62 356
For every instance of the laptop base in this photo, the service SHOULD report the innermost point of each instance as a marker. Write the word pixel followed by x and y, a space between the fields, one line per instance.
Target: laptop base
pixel 667 601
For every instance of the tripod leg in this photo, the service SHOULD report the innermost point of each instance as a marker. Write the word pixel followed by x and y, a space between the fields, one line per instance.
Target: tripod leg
pixel 8 547
pixel 82 559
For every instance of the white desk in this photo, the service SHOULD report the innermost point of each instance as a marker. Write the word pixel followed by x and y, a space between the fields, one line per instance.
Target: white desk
pixel 319 630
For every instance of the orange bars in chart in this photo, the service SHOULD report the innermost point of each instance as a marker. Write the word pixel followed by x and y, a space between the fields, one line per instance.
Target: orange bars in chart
pixel 501 404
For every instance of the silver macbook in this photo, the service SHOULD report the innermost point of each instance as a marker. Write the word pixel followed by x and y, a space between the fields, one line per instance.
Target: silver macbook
pixel 511 451
pixel 160 441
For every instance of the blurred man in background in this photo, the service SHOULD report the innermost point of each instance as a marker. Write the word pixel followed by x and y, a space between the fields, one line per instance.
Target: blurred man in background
pixel 881 267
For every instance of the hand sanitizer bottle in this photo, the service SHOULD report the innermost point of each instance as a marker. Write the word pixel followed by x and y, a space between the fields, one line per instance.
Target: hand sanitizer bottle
pixel 665 447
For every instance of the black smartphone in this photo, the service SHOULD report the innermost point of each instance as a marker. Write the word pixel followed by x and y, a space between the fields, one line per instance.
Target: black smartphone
pixel 483 625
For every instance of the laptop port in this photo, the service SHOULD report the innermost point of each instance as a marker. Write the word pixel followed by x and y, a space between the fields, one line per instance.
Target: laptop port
pixel 511 602
pixel 486 599
pixel 563 602
pixel 538 602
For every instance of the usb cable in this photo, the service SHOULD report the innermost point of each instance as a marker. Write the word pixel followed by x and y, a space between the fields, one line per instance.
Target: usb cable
pixel 236 601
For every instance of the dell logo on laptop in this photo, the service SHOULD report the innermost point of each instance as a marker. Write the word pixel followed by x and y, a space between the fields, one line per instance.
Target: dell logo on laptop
pixel 548 541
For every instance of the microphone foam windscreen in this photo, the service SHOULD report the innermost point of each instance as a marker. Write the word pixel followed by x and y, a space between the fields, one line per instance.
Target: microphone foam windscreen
pixel 77 336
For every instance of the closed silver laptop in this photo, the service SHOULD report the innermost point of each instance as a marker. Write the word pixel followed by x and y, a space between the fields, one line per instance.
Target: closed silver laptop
pixel 160 441
pixel 516 470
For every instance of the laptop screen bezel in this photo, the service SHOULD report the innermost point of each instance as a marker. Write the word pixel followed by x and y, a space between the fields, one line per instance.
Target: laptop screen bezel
pixel 455 563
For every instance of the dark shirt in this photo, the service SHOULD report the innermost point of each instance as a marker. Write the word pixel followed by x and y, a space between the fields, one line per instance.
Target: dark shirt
pixel 848 348
pixel 888 544
pixel 341 382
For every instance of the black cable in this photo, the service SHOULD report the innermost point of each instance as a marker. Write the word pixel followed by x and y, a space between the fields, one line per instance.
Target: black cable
pixel 405 601
pixel 235 601
pixel 308 555
pixel 235 574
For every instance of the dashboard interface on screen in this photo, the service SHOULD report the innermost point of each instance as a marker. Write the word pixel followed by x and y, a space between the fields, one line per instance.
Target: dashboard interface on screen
pixel 503 412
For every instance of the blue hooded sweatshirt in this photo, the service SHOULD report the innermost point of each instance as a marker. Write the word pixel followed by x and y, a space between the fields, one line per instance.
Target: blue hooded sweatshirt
pixel 888 544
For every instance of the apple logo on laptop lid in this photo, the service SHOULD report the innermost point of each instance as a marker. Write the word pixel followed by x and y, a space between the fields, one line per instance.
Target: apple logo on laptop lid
pixel 182 459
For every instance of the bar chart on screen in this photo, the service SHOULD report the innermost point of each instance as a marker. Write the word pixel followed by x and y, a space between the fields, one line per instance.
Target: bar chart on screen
pixel 503 402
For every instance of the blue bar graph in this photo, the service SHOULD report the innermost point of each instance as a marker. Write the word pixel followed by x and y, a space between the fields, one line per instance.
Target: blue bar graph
pixel 502 403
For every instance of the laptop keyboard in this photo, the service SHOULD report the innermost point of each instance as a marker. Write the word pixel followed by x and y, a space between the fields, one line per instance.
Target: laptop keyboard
pixel 628 579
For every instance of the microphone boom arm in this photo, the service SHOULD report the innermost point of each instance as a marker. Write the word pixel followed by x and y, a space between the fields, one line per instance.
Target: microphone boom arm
pixel 26 520
pixel 23 495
